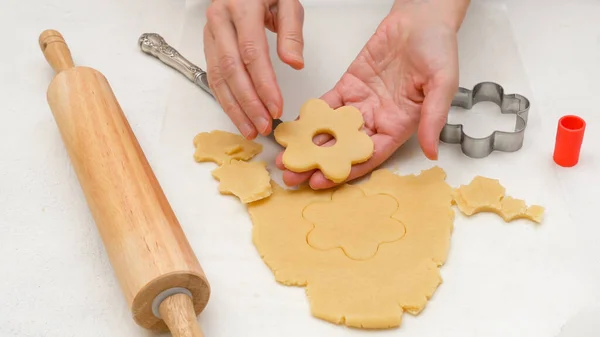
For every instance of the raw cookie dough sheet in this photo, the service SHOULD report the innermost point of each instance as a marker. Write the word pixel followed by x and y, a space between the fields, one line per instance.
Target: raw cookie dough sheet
pixel 499 279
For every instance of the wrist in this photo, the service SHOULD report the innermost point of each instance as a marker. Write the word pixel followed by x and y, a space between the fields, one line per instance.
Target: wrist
pixel 448 13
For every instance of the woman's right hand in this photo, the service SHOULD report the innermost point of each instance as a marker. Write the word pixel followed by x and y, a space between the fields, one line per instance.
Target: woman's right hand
pixel 240 72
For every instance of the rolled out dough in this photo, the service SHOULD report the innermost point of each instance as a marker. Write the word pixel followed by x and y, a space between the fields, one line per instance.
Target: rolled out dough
pixel 372 293
pixel 365 253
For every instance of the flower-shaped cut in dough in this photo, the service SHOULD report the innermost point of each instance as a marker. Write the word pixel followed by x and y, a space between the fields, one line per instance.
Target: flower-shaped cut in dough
pixel 352 146
pixel 356 223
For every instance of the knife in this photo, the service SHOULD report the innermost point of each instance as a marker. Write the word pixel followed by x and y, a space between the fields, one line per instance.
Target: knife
pixel 155 45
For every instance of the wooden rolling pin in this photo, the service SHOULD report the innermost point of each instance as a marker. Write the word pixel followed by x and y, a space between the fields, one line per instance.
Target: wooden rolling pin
pixel 160 277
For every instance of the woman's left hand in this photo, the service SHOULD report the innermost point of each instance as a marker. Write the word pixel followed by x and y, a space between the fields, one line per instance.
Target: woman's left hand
pixel 403 81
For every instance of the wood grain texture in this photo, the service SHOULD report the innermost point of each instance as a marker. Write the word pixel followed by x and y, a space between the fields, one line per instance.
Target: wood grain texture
pixel 144 240
pixel 55 50
pixel 175 310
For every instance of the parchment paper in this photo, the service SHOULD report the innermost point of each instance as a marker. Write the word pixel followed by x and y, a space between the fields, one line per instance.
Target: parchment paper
pixel 500 279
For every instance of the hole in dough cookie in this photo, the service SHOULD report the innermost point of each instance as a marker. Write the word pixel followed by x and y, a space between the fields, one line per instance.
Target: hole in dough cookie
pixel 324 138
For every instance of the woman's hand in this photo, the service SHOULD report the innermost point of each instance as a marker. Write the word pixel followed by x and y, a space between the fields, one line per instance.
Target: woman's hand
pixel 403 81
pixel 239 68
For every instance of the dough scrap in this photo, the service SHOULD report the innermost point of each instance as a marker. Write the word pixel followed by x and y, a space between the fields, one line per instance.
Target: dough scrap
pixel 372 293
pixel 487 195
pixel 356 223
pixel 352 146
pixel 233 149
pixel 249 181
pixel 221 146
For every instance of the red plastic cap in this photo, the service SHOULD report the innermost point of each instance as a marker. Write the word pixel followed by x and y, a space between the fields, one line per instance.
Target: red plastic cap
pixel 569 137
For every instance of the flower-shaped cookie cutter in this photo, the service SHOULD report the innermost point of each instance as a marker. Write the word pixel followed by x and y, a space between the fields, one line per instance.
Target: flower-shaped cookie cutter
pixel 499 140
pixel 352 145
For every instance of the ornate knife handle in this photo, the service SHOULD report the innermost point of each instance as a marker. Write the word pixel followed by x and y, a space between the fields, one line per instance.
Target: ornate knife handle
pixel 155 45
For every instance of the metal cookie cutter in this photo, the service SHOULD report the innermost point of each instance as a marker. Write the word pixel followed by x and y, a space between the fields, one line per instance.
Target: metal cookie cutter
pixel 498 140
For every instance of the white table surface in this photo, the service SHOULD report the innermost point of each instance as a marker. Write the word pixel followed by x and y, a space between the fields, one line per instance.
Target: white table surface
pixel 500 280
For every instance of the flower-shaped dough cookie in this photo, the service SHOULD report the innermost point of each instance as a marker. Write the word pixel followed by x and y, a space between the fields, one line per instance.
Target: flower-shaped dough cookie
pixel 354 222
pixel 352 146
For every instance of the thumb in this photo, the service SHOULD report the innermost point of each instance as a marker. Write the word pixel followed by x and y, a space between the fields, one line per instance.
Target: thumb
pixel 434 114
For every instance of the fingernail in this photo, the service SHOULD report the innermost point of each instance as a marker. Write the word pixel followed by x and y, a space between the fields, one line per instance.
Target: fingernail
pixel 261 124
pixel 297 57
pixel 273 109
pixel 297 60
pixel 246 130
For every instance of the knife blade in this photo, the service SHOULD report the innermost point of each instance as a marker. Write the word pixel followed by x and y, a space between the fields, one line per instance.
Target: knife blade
pixel 155 45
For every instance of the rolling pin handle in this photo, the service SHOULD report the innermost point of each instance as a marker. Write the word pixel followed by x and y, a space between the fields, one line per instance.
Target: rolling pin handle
pixel 177 311
pixel 55 50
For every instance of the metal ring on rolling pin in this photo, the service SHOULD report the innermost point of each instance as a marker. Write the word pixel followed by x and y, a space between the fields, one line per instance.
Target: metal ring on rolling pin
pixel 164 295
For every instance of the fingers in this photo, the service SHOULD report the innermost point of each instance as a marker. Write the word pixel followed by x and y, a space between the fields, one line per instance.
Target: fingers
pixel 384 147
pixel 292 178
pixel 254 51
pixel 270 19
pixel 434 114
pixel 233 71
pixel 290 40
pixel 296 178
pixel 239 55
pixel 333 99
pixel 221 90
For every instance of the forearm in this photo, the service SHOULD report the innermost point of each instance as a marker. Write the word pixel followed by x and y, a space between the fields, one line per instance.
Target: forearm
pixel 446 12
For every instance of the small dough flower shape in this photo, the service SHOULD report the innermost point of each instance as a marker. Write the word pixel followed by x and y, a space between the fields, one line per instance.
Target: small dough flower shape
pixel 352 146
pixel 365 221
